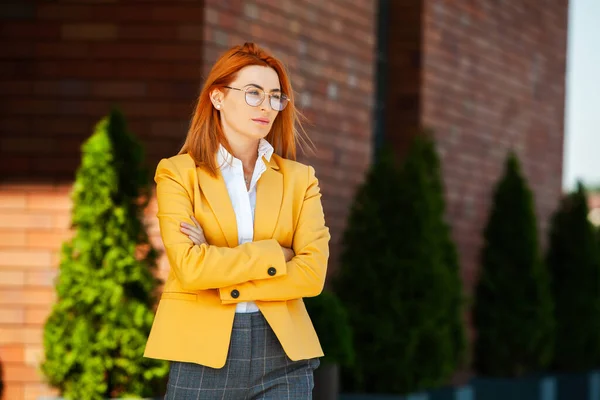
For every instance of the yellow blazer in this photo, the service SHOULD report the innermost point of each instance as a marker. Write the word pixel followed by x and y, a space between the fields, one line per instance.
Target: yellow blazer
pixel 194 318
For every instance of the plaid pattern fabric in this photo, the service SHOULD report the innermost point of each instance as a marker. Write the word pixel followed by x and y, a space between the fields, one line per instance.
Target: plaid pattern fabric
pixel 256 368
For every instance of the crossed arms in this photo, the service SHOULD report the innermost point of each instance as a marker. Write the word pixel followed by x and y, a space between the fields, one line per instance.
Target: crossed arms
pixel 259 270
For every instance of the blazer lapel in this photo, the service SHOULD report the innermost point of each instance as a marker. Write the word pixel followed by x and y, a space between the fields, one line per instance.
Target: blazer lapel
pixel 215 192
pixel 269 195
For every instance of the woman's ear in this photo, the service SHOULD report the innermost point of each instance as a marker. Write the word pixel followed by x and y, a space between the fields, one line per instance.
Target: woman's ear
pixel 216 97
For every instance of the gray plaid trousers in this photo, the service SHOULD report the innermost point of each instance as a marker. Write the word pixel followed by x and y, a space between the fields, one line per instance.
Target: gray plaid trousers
pixel 256 368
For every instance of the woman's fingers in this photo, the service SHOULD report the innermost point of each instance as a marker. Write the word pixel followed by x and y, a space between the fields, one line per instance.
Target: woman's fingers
pixel 192 228
pixel 197 223
pixel 193 233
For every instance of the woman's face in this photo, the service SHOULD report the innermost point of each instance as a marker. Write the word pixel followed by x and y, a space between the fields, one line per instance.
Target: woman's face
pixel 239 119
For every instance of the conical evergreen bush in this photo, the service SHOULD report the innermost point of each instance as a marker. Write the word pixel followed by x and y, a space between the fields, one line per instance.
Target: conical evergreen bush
pixel 425 146
pixel 513 311
pixel 399 278
pixel 95 335
pixel 573 259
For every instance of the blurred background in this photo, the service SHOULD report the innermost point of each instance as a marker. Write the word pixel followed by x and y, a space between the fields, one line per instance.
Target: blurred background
pixel 486 79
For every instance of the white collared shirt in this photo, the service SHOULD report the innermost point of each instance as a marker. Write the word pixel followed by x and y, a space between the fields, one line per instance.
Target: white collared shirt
pixel 243 200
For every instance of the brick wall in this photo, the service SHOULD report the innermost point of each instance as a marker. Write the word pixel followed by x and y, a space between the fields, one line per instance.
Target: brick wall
pixel 64 63
pixel 33 222
pixel 493 80
pixel 402 92
pixel 329 49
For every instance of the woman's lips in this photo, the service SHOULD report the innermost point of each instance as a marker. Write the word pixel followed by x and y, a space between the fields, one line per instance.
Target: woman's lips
pixel 261 121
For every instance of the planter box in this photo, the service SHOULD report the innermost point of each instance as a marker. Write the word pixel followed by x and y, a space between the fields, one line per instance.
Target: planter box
pixel 535 388
pixel 585 386
pixel 327 382
pixel 450 393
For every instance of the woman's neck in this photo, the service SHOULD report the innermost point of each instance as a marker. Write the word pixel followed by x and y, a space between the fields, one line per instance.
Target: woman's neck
pixel 246 152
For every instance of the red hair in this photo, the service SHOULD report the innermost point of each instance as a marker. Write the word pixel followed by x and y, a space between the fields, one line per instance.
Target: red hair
pixel 206 133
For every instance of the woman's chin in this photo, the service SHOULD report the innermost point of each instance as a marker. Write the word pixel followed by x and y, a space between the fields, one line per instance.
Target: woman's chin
pixel 257 134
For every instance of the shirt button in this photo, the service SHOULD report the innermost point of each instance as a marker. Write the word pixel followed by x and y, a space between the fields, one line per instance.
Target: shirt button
pixel 235 293
pixel 272 271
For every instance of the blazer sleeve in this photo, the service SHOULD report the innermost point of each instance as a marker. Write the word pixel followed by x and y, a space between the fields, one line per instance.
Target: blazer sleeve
pixel 307 270
pixel 202 267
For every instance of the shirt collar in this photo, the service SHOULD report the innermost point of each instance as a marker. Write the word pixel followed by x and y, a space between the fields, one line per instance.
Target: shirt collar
pixel 226 160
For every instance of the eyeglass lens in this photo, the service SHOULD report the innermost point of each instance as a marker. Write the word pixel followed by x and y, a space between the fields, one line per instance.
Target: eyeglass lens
pixel 255 96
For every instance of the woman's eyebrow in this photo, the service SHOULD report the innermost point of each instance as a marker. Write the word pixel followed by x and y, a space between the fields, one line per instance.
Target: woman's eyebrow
pixel 261 88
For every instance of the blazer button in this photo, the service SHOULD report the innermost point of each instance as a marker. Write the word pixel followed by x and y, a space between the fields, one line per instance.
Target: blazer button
pixel 235 293
pixel 272 271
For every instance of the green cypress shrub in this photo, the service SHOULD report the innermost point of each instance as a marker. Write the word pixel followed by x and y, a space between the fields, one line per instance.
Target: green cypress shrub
pixel 399 278
pixel 456 303
pixel 513 311
pixel 573 259
pixel 95 335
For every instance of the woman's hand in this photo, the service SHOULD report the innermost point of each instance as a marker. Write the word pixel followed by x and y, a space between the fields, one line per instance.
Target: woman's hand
pixel 195 233
pixel 287 253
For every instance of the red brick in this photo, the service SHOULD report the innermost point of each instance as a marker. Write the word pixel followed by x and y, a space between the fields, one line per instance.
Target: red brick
pixel 27 297
pixel 14 391
pixel 62 88
pixel 12 278
pixel 75 69
pixel 61 50
pixel 12 201
pixel 34 354
pixel 51 240
pixel 21 373
pixel 29 30
pixel 13 336
pixel 64 12
pixel 147 69
pixel 63 126
pixel 185 90
pixel 40 278
pixel 25 259
pixel 115 90
pixel 89 31
pixel 15 88
pixel 168 128
pixel 157 110
pixel 49 202
pixel 62 221
pixel 36 391
pixel 12 49
pixel 15 124
pixel 148 32
pixel 36 316
pixel 191 32
pixel 21 145
pixel 15 165
pixel 11 315
pixel 12 353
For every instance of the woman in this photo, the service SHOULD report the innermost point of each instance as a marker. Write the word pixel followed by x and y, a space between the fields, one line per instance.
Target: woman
pixel 244 232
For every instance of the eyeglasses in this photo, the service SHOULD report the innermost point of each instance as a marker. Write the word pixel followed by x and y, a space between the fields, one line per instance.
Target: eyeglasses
pixel 255 97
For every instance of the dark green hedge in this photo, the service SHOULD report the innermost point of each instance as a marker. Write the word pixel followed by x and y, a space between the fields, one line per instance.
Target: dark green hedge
pixel 573 259
pixel 513 311
pixel 399 278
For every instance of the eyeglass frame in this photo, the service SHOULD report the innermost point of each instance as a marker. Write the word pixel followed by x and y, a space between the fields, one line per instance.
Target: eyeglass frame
pixel 265 94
